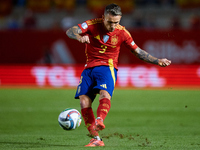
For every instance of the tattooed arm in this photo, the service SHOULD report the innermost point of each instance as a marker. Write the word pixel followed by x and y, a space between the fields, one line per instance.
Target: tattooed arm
pixel 74 33
pixel 143 55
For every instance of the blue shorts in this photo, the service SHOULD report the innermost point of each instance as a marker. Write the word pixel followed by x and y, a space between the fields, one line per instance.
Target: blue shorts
pixel 95 79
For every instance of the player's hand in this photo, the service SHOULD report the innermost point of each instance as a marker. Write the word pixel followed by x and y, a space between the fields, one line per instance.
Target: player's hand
pixel 164 62
pixel 84 39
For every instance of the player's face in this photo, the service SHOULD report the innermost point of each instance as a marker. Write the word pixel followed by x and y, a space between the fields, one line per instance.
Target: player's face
pixel 111 22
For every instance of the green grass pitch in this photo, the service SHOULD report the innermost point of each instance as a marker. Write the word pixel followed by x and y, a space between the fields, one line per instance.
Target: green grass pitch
pixel 138 119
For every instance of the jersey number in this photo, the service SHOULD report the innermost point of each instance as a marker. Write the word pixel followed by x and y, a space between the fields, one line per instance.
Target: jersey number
pixel 103 47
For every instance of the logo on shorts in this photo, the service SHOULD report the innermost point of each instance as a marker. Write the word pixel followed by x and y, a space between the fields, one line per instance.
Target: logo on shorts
pixel 104 86
pixel 84 25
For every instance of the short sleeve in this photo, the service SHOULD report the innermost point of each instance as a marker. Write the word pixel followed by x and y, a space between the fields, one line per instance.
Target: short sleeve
pixel 128 40
pixel 84 27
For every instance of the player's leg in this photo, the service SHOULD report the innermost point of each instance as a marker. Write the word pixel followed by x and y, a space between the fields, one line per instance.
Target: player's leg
pixel 85 94
pixel 89 119
pixel 106 78
pixel 85 101
pixel 87 114
pixel 103 109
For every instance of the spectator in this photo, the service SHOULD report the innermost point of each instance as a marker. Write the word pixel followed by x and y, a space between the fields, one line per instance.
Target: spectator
pixel 195 22
pixel 138 21
pixel 29 21
pixel 20 3
pixel 56 25
pixel 175 23
pixel 150 23
pixel 81 2
pixel 67 22
pixel 13 22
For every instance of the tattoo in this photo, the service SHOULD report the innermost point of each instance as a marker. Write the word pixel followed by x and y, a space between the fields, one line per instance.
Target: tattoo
pixel 143 55
pixel 74 32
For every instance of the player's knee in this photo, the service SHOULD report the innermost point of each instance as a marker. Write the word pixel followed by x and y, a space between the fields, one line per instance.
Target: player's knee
pixel 104 94
pixel 85 101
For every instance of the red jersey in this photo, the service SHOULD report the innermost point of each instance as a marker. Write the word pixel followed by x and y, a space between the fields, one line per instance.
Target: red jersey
pixel 104 46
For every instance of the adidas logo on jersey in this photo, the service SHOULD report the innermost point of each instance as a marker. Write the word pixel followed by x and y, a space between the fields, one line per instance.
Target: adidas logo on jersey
pixel 97 37
pixel 104 86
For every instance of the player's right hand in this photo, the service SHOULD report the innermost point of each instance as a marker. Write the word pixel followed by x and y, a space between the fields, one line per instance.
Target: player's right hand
pixel 84 39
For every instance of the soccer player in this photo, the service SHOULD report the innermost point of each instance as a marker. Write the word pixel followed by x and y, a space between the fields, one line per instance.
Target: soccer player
pixel 103 37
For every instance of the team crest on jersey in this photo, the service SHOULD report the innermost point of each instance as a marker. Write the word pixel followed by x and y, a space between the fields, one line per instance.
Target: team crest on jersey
pixel 114 40
pixel 105 38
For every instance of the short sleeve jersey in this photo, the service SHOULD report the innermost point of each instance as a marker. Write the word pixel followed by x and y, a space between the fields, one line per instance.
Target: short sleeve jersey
pixel 104 46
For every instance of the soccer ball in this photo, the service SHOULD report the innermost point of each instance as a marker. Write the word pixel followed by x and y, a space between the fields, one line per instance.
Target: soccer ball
pixel 69 119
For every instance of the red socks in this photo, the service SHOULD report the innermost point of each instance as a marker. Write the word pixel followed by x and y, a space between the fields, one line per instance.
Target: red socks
pixel 104 107
pixel 88 116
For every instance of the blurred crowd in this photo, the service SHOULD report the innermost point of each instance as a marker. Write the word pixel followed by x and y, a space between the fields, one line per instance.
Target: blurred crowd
pixel 62 14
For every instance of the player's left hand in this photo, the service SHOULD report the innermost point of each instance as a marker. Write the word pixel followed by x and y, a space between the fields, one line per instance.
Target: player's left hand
pixel 164 62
